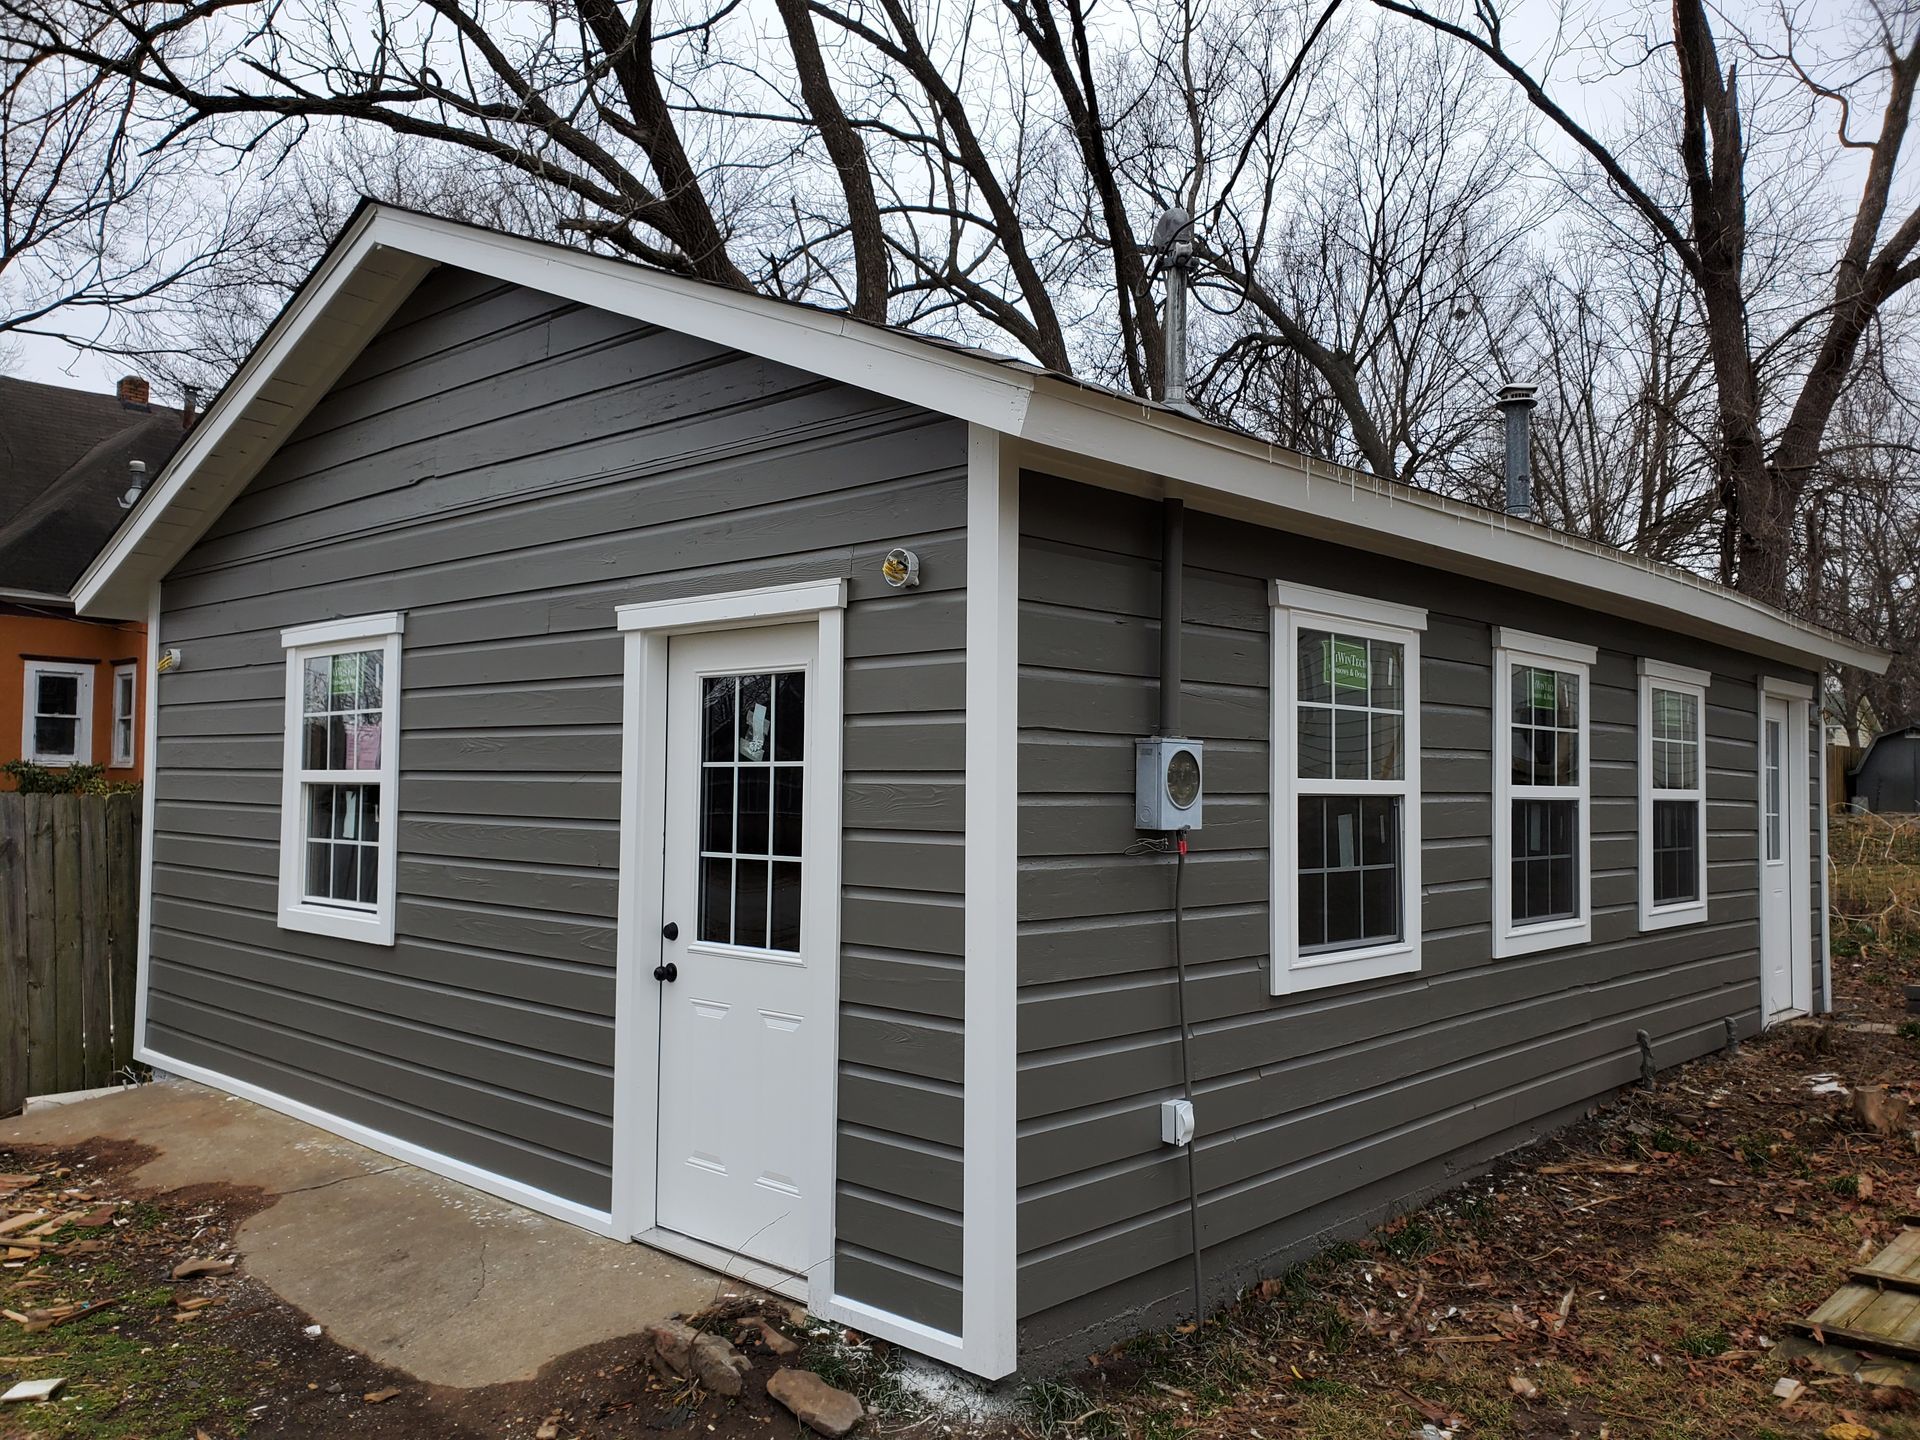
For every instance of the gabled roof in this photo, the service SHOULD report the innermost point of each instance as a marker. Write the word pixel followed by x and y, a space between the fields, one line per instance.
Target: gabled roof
pixel 1898 732
pixel 1082 430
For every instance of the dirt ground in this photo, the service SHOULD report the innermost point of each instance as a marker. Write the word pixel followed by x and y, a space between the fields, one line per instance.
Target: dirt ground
pixel 1633 1276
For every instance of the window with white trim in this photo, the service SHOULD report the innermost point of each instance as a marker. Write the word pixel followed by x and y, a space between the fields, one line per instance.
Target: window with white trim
pixel 1542 814
pixel 1346 788
pixel 337 865
pixel 125 689
pixel 57 726
pixel 1673 795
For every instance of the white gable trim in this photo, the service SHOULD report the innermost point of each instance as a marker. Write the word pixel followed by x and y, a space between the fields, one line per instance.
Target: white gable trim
pixel 1085 433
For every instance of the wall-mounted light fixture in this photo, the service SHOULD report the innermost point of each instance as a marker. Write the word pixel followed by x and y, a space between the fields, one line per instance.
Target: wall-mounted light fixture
pixel 901 569
pixel 169 660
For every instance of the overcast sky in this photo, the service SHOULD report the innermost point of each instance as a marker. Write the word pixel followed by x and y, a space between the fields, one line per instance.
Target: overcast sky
pixel 1535 29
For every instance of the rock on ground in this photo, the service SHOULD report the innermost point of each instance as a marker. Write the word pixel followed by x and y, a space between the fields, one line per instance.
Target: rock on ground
pixel 815 1403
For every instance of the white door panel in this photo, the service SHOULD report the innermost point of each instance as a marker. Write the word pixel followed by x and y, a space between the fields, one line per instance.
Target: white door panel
pixel 739 1044
pixel 1786 922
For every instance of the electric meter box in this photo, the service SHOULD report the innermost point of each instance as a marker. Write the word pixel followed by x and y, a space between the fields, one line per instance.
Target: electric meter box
pixel 1167 784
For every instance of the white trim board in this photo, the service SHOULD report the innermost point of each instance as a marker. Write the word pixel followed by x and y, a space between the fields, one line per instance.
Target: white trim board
pixel 1104 437
pixel 1796 779
pixel 499 1186
pixel 990 1250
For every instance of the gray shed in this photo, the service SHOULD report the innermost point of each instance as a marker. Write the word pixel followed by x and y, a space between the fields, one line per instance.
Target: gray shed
pixel 1887 778
pixel 674 759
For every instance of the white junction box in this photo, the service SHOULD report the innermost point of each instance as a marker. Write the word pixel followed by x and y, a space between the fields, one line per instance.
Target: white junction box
pixel 1176 1122
pixel 1167 784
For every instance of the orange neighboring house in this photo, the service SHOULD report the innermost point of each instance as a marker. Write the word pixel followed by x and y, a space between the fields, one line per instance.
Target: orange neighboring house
pixel 71 690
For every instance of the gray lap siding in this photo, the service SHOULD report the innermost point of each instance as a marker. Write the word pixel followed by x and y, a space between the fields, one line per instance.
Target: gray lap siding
pixel 1318 1111
pixel 505 469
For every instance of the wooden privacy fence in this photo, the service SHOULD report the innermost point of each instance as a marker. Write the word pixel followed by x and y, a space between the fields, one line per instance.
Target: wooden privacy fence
pixel 69 918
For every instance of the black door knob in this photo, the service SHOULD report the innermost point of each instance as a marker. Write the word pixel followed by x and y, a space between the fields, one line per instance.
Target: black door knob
pixel 670 930
pixel 668 971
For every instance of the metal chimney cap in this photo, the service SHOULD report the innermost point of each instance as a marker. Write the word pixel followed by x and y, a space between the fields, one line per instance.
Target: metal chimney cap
pixel 1517 393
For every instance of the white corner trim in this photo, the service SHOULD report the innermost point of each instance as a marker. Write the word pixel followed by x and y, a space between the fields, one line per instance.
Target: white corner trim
pixel 990 1247
pixel 1785 689
pixel 739 607
pixel 499 1186
pixel 1822 898
pixel 150 722
pixel 1693 683
pixel 1285 595
pixel 1290 972
pixel 872 1320
pixel 353 627
pixel 1549 647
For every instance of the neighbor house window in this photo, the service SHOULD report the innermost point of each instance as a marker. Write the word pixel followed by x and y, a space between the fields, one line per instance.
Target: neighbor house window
pixel 57 728
pixel 1346 786
pixel 342 771
pixel 1542 857
pixel 1673 795
pixel 124 690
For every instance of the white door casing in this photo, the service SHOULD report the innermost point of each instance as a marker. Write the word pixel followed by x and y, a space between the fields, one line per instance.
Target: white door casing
pixel 740 1039
pixel 1785 853
pixel 805 1101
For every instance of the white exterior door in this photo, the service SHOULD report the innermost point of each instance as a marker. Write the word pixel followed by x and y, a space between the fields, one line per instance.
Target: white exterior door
pixel 1786 978
pixel 741 1052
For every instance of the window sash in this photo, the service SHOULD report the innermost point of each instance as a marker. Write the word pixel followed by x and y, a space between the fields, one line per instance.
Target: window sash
pixel 306 899
pixel 1659 684
pixel 1514 935
pixel 1295 966
pixel 78 721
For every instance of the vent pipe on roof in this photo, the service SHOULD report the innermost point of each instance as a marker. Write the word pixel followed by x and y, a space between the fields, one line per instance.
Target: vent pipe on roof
pixel 136 484
pixel 1172 245
pixel 1516 404
pixel 189 407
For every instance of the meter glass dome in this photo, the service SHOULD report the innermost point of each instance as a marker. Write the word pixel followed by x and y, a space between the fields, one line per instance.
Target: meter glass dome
pixel 1183 778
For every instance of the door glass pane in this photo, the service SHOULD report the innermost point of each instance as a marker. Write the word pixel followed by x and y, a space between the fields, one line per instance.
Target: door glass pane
pixel 1775 744
pixel 752 793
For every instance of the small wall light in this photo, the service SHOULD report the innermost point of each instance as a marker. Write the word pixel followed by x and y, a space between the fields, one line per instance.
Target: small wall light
pixel 901 569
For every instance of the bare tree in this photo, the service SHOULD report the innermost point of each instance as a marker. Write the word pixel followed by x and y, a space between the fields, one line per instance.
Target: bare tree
pixel 1766 453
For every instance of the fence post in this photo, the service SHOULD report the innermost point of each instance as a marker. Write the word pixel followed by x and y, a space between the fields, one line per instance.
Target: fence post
pixel 96 989
pixel 42 1011
pixel 13 953
pixel 123 919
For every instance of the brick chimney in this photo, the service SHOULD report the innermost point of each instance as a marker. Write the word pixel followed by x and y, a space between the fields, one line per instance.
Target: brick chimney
pixel 132 391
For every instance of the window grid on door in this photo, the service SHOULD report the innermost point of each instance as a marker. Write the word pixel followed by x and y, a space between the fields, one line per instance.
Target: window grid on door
pixel 1776 850
pixel 752 805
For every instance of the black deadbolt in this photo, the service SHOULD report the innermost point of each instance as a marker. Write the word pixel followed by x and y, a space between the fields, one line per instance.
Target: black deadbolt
pixel 670 930
pixel 668 971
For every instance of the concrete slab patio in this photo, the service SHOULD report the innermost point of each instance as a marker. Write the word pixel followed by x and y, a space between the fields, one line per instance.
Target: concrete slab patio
pixel 415 1271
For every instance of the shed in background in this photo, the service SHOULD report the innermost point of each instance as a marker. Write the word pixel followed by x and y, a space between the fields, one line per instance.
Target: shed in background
pixel 1887 779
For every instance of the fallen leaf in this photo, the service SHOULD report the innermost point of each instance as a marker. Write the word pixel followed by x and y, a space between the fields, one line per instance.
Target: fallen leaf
pixel 1522 1386
pixel 549 1428
pixel 380 1397
pixel 1787 1389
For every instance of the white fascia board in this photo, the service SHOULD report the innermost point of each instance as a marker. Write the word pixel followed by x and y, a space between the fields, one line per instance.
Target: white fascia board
pixel 1264 482
pixel 259 407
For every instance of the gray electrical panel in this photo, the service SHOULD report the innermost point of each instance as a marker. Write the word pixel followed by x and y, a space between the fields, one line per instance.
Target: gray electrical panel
pixel 1168 784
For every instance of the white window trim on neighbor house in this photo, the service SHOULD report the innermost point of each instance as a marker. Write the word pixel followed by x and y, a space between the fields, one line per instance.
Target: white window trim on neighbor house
pixel 1660 675
pixel 82 753
pixel 1516 647
pixel 124 714
pixel 1297 607
pixel 334 637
